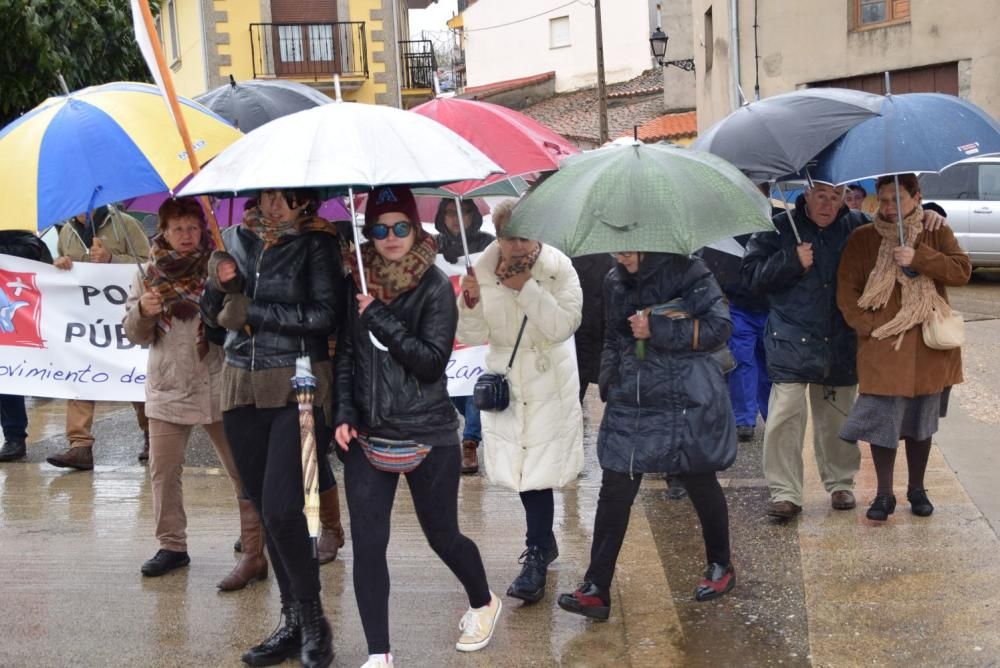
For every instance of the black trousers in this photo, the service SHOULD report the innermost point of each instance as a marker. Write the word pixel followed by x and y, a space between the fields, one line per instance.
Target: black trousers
pixel 539 514
pixel 370 495
pixel 267 449
pixel 614 505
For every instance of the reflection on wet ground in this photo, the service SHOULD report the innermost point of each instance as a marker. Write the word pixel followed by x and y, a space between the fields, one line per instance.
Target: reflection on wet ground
pixel 827 589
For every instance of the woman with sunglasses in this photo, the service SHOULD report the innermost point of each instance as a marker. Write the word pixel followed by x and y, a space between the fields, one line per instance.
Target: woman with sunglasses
pixel 276 291
pixel 536 444
pixel 668 411
pixel 394 416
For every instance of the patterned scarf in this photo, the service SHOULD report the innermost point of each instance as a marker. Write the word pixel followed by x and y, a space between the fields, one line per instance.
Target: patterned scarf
pixel 507 269
pixel 274 233
pixel 180 281
pixel 387 280
pixel 919 296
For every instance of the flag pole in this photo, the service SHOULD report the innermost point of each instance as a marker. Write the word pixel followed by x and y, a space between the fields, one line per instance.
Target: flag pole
pixel 175 109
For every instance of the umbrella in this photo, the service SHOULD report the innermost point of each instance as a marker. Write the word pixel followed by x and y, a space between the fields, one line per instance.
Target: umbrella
pixel 304 383
pixel 779 135
pixel 250 104
pixel 643 197
pixel 97 146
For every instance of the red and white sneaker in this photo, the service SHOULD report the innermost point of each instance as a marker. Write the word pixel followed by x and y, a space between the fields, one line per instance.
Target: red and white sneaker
pixel 718 580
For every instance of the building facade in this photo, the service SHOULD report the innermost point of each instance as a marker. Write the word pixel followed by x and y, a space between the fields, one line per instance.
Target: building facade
pixel 363 42
pixel 772 47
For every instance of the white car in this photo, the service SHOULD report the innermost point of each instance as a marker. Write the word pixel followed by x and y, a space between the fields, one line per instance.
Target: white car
pixel 970 193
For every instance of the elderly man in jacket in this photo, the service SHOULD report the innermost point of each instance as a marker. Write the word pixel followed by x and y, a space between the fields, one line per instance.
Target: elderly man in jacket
pixel 107 235
pixel 810 349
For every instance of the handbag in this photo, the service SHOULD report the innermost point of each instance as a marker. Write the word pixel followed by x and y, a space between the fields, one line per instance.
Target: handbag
pixel 492 391
pixel 944 332
pixel 393 456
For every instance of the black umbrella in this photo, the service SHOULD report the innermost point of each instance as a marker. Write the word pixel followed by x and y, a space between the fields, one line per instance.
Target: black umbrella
pixel 250 104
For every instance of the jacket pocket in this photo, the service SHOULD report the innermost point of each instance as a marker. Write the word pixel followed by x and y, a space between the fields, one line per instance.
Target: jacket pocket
pixel 795 353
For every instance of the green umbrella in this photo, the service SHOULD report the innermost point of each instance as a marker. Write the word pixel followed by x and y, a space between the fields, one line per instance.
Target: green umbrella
pixel 641 197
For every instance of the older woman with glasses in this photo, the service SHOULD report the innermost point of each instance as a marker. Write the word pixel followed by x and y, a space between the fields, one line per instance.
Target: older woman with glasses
pixel 536 444
pixel 668 411
pixel 394 416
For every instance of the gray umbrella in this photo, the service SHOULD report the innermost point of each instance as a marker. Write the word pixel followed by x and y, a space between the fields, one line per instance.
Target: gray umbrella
pixel 778 135
pixel 250 104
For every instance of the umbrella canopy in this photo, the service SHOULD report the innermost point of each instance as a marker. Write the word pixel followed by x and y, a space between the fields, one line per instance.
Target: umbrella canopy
pixel 519 144
pixel 343 146
pixel 779 135
pixel 644 197
pixel 99 145
pixel 915 132
pixel 250 104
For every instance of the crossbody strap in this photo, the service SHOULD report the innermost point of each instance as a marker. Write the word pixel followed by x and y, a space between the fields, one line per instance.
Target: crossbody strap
pixel 510 362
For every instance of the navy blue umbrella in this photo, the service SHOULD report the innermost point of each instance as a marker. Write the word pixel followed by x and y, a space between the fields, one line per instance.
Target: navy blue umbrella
pixel 914 132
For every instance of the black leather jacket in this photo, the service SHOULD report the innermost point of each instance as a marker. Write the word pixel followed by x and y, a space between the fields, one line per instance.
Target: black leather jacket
pixel 401 393
pixel 294 290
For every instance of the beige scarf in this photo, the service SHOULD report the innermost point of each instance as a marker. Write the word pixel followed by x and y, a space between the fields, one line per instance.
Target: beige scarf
pixel 920 298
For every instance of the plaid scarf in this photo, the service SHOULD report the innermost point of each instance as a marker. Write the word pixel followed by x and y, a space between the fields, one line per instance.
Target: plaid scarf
pixel 276 233
pixel 179 280
pixel 387 280
pixel 919 297
pixel 507 269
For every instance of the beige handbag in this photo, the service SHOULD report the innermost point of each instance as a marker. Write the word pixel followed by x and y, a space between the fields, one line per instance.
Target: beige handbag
pixel 944 333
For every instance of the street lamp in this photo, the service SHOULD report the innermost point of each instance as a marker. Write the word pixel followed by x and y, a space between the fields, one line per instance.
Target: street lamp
pixel 658 45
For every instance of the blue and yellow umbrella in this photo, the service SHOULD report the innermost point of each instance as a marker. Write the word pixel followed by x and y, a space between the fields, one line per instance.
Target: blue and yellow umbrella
pixel 98 145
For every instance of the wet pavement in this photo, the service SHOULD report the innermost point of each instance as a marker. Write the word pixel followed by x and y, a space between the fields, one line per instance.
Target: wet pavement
pixel 826 589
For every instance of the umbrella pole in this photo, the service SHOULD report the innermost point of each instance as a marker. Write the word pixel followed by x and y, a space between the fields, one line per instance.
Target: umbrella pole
pixel 788 214
pixel 357 242
pixel 469 302
pixel 899 212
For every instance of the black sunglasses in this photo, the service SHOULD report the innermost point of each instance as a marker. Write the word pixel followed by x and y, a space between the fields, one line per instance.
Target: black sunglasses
pixel 380 231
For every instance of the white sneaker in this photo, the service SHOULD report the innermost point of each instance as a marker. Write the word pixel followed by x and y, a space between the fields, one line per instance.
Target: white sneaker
pixel 477 626
pixel 378 661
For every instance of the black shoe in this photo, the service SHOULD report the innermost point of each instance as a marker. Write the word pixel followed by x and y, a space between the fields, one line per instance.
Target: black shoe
pixel 588 600
pixel 920 505
pixel 13 449
pixel 744 433
pixel 317 638
pixel 285 643
pixel 163 562
pixel 883 506
pixel 675 488
pixel 551 553
pixel 717 582
pixel 529 586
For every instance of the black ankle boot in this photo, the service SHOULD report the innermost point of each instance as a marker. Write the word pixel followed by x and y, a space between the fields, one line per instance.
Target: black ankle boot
pixel 883 506
pixel 920 505
pixel 283 644
pixel 317 638
pixel 529 586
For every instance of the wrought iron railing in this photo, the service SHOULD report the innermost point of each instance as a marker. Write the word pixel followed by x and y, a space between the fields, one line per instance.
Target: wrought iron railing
pixel 418 63
pixel 308 50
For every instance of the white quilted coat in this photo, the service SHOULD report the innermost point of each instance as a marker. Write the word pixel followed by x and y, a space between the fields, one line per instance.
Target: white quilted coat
pixel 537 442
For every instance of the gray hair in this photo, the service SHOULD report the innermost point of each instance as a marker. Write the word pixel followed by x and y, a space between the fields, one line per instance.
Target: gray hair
pixel 502 212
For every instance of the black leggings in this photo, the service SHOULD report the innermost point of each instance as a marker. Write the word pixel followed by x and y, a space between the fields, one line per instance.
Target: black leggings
pixel 884 459
pixel 370 494
pixel 266 446
pixel 614 505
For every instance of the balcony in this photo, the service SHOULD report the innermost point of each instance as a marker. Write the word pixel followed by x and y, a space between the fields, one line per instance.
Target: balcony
pixel 315 51
pixel 418 64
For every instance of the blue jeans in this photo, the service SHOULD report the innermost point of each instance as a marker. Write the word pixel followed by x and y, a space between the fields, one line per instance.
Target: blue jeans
pixel 473 425
pixel 749 386
pixel 13 417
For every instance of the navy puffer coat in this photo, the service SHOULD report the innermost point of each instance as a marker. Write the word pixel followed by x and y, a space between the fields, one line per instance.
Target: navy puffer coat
pixel 669 413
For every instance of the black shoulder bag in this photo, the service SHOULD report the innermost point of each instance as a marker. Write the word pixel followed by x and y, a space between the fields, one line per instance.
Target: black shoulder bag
pixel 492 391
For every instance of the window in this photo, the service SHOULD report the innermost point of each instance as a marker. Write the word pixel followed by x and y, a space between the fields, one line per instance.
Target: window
pixel 989 182
pixel 559 32
pixel 175 50
pixel 290 43
pixel 709 39
pixel 321 42
pixel 956 182
pixel 869 13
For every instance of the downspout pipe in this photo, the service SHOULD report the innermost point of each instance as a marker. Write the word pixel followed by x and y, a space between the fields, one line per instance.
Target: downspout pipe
pixel 734 50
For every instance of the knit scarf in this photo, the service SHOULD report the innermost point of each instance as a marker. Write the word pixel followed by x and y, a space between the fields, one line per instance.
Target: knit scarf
pixel 180 281
pixel 276 233
pixel 919 297
pixel 506 269
pixel 388 279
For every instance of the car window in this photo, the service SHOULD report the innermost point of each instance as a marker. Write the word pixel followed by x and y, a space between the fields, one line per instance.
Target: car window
pixel 956 182
pixel 989 181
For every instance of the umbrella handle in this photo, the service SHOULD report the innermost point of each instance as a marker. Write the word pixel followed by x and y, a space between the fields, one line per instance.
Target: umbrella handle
pixel 469 301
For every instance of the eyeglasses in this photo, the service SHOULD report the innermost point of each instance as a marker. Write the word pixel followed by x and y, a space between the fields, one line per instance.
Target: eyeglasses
pixel 380 231
pixel 624 255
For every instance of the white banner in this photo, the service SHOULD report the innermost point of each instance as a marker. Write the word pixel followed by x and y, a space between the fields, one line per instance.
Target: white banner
pixel 61 332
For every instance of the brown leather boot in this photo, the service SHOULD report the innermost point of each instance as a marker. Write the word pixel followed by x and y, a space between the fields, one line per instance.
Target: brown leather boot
pixel 470 456
pixel 331 538
pixel 81 459
pixel 252 564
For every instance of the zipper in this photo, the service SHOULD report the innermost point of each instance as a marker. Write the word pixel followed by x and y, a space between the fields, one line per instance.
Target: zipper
pixel 371 385
pixel 256 282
